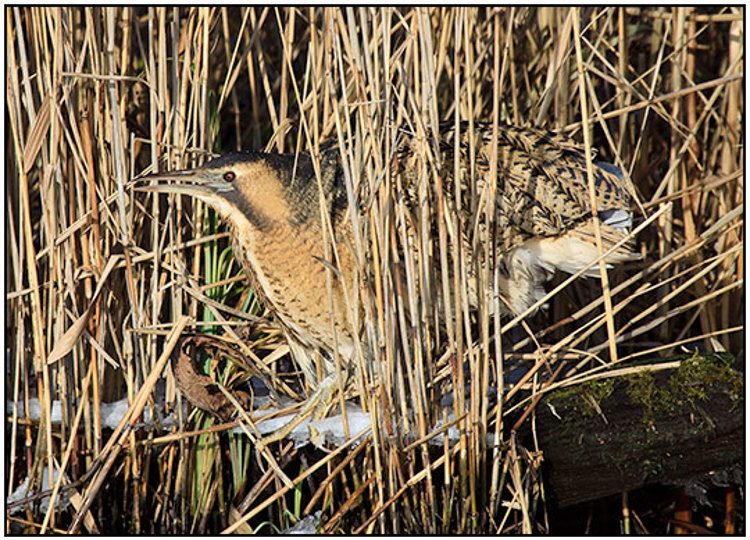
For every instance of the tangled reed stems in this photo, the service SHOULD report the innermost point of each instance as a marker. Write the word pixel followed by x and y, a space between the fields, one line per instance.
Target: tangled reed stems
pixel 97 277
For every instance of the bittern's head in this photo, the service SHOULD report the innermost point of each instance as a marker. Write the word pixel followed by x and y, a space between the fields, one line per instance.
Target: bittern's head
pixel 241 187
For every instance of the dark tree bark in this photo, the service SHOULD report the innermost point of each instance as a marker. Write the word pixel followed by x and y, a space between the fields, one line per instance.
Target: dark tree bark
pixel 642 426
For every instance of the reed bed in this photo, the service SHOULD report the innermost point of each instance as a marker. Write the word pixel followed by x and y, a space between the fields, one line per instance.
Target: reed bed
pixel 101 281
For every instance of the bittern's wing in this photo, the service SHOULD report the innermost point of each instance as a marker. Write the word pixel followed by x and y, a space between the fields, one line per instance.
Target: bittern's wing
pixel 542 185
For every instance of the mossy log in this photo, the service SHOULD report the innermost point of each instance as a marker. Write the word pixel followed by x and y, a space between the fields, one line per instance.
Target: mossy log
pixel 656 423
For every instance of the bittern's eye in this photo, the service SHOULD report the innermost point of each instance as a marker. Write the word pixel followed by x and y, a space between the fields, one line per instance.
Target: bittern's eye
pixel 229 176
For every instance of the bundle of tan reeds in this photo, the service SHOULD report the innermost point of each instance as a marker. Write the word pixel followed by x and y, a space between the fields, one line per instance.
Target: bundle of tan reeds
pixel 101 282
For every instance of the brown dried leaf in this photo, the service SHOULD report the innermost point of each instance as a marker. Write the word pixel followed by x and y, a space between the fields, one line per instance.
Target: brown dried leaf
pixel 36 135
pixel 71 336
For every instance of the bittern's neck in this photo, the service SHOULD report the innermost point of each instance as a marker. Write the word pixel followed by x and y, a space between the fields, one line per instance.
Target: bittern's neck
pixel 301 191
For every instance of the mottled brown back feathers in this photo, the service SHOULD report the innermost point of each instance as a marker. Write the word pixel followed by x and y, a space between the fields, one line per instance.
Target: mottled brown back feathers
pixel 542 186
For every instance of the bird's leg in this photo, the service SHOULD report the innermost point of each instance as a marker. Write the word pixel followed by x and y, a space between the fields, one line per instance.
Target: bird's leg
pixel 322 396
pixel 314 405
pixel 305 360
pixel 287 428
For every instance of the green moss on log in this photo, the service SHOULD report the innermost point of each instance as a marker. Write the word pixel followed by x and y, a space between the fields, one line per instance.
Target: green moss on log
pixel 585 397
pixel 687 387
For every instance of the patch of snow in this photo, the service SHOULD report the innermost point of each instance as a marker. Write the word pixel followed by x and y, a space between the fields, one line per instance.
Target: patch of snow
pixel 111 413
pixel 22 492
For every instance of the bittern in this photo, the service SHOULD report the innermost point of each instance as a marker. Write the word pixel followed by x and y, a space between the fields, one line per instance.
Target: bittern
pixel 273 205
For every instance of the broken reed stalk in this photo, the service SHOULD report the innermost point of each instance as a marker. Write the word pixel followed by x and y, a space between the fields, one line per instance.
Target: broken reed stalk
pixel 95 96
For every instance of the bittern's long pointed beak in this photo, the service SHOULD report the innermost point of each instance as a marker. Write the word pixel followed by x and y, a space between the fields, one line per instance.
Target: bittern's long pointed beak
pixel 202 183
